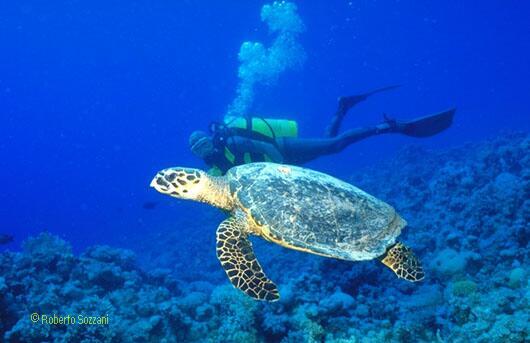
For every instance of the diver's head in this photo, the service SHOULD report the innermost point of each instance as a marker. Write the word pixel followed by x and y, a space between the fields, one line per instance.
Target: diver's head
pixel 201 144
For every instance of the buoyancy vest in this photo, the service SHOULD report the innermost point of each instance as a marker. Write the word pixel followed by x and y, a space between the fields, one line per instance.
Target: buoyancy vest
pixel 255 128
pixel 263 127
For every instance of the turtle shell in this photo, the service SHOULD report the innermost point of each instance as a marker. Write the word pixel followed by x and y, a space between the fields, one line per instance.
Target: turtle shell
pixel 310 211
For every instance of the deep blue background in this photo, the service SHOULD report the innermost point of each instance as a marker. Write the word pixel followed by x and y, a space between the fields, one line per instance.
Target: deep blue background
pixel 96 96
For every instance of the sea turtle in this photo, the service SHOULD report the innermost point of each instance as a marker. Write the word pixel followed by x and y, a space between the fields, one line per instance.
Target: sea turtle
pixel 297 208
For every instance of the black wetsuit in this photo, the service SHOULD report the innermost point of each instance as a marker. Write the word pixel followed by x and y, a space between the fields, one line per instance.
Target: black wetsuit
pixel 291 150
pixel 301 150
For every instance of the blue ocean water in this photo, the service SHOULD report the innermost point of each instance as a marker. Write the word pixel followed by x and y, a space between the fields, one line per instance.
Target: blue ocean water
pixel 96 97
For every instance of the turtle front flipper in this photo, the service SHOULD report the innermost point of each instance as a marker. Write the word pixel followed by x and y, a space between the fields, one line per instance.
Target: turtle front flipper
pixel 234 251
pixel 403 262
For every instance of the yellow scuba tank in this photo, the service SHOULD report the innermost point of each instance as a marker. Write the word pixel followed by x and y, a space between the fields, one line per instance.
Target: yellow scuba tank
pixel 263 126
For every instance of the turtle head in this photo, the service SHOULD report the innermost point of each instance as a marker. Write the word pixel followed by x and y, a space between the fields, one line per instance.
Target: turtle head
pixel 182 183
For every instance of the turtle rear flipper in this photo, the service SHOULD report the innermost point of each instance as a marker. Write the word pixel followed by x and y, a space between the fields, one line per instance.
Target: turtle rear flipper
pixel 403 262
pixel 234 251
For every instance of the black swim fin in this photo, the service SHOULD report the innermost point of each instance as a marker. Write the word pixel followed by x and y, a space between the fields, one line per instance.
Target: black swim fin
pixel 425 126
pixel 347 102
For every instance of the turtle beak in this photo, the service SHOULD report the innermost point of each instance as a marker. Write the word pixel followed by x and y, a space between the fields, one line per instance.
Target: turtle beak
pixel 153 182
pixel 159 183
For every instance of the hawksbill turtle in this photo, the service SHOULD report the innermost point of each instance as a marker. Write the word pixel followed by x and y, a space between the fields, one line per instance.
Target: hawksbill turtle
pixel 297 208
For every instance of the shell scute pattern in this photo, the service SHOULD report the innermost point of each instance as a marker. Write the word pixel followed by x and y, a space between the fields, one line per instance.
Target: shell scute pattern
pixel 311 211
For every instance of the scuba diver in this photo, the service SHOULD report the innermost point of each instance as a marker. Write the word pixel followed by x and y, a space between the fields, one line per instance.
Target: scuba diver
pixel 240 140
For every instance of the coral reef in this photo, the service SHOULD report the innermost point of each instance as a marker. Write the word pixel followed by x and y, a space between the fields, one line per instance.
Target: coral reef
pixel 47 279
pixel 468 210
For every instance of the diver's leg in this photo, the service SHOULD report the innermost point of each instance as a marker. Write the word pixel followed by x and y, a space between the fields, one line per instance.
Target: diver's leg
pixel 299 150
pixel 336 121
pixel 354 135
pixel 420 127
pixel 302 150
pixel 345 104
pixel 426 126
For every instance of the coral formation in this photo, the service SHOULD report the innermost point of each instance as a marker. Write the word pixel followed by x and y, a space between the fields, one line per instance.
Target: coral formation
pixel 468 210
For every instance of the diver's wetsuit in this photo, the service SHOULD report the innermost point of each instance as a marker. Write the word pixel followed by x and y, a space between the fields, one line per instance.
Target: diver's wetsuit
pixel 239 144
pixel 302 150
pixel 292 150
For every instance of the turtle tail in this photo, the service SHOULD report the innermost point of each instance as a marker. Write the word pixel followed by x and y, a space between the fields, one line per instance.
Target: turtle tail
pixel 403 262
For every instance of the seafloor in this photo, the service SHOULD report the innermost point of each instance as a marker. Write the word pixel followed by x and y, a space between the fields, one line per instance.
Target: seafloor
pixel 468 210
